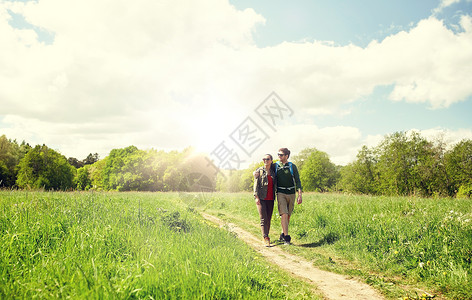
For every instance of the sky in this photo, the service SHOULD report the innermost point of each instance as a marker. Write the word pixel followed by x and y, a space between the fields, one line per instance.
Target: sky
pixel 234 79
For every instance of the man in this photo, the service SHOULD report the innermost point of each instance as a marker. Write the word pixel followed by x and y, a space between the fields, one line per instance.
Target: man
pixel 288 182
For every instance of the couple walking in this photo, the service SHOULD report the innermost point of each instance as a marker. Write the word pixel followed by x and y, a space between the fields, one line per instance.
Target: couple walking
pixel 281 179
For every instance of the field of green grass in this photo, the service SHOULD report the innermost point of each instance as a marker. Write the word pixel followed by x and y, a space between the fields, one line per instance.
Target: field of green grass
pixel 156 245
pixel 127 246
pixel 397 244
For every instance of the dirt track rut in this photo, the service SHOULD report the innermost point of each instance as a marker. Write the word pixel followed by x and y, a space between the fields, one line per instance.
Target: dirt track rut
pixel 331 285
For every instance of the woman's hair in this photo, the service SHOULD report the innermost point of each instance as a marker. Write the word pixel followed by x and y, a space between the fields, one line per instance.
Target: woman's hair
pixel 272 165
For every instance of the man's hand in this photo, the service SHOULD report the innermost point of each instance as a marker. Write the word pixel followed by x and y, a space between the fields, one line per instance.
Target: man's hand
pixel 299 199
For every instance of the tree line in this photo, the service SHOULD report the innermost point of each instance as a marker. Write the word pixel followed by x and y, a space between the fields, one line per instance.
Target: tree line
pixel 402 164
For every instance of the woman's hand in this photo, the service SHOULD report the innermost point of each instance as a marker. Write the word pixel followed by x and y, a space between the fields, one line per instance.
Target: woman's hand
pixel 258 201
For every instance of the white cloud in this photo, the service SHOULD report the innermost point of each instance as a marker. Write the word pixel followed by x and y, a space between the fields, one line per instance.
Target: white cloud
pixel 444 4
pixel 340 142
pixel 170 74
pixel 160 66
pixel 447 136
pixel 428 64
pixel 343 143
pixel 437 68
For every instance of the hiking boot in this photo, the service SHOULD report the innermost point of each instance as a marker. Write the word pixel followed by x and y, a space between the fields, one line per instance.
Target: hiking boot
pixel 267 241
pixel 287 239
pixel 282 239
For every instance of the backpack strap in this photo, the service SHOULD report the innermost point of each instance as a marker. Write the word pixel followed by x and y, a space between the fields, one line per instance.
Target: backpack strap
pixel 291 167
pixel 290 164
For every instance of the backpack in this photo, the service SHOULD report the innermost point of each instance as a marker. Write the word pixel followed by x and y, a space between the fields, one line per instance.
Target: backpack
pixel 277 164
pixel 291 171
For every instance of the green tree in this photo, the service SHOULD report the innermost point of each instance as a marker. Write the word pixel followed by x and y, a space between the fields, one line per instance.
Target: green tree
pixel 120 169
pixel 23 149
pixel 361 176
pixel 300 159
pixel 91 159
pixel 393 164
pixel 83 180
pixel 459 168
pixel 9 158
pixel 246 177
pixel 45 168
pixel 75 162
pixel 409 164
pixel 428 171
pixel 96 173
pixel 4 174
pixel 131 169
pixel 172 178
pixel 318 173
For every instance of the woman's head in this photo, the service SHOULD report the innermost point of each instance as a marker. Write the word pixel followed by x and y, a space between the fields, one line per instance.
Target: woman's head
pixel 267 159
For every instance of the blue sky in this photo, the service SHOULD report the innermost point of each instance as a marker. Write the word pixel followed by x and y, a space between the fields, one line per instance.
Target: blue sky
pixel 360 22
pixel 85 77
pixel 342 22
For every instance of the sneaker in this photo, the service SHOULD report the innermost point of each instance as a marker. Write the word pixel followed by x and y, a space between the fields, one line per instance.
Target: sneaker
pixel 282 237
pixel 267 241
pixel 287 239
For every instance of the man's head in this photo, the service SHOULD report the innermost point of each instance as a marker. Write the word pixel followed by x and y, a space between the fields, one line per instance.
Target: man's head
pixel 283 154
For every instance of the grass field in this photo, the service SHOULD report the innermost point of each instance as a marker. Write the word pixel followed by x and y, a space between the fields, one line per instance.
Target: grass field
pixel 391 242
pixel 156 245
pixel 126 246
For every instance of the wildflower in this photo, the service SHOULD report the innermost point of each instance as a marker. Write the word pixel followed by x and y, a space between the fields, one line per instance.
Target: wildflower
pixel 421 265
pixel 396 252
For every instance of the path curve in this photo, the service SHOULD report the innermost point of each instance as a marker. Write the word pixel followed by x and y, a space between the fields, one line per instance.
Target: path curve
pixel 333 286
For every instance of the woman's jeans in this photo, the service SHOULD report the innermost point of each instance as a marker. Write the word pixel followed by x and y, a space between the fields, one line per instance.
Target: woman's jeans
pixel 265 212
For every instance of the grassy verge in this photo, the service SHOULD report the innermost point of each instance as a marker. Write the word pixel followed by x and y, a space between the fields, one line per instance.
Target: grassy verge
pixel 393 243
pixel 126 246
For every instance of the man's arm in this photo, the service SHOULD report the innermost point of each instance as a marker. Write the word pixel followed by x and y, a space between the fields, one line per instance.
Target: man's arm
pixel 296 176
pixel 298 183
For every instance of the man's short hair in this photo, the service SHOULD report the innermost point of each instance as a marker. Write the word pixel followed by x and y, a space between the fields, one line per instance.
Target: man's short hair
pixel 285 151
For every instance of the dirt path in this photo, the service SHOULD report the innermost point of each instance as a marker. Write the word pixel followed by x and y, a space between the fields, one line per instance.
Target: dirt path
pixel 333 286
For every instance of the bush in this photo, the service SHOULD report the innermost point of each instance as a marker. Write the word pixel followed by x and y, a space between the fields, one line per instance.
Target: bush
pixel 464 191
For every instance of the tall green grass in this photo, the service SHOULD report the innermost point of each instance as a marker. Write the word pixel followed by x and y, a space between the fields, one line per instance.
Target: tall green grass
pixel 126 246
pixel 409 240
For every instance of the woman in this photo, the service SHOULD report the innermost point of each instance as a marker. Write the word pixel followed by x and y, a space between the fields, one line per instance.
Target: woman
pixel 264 194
